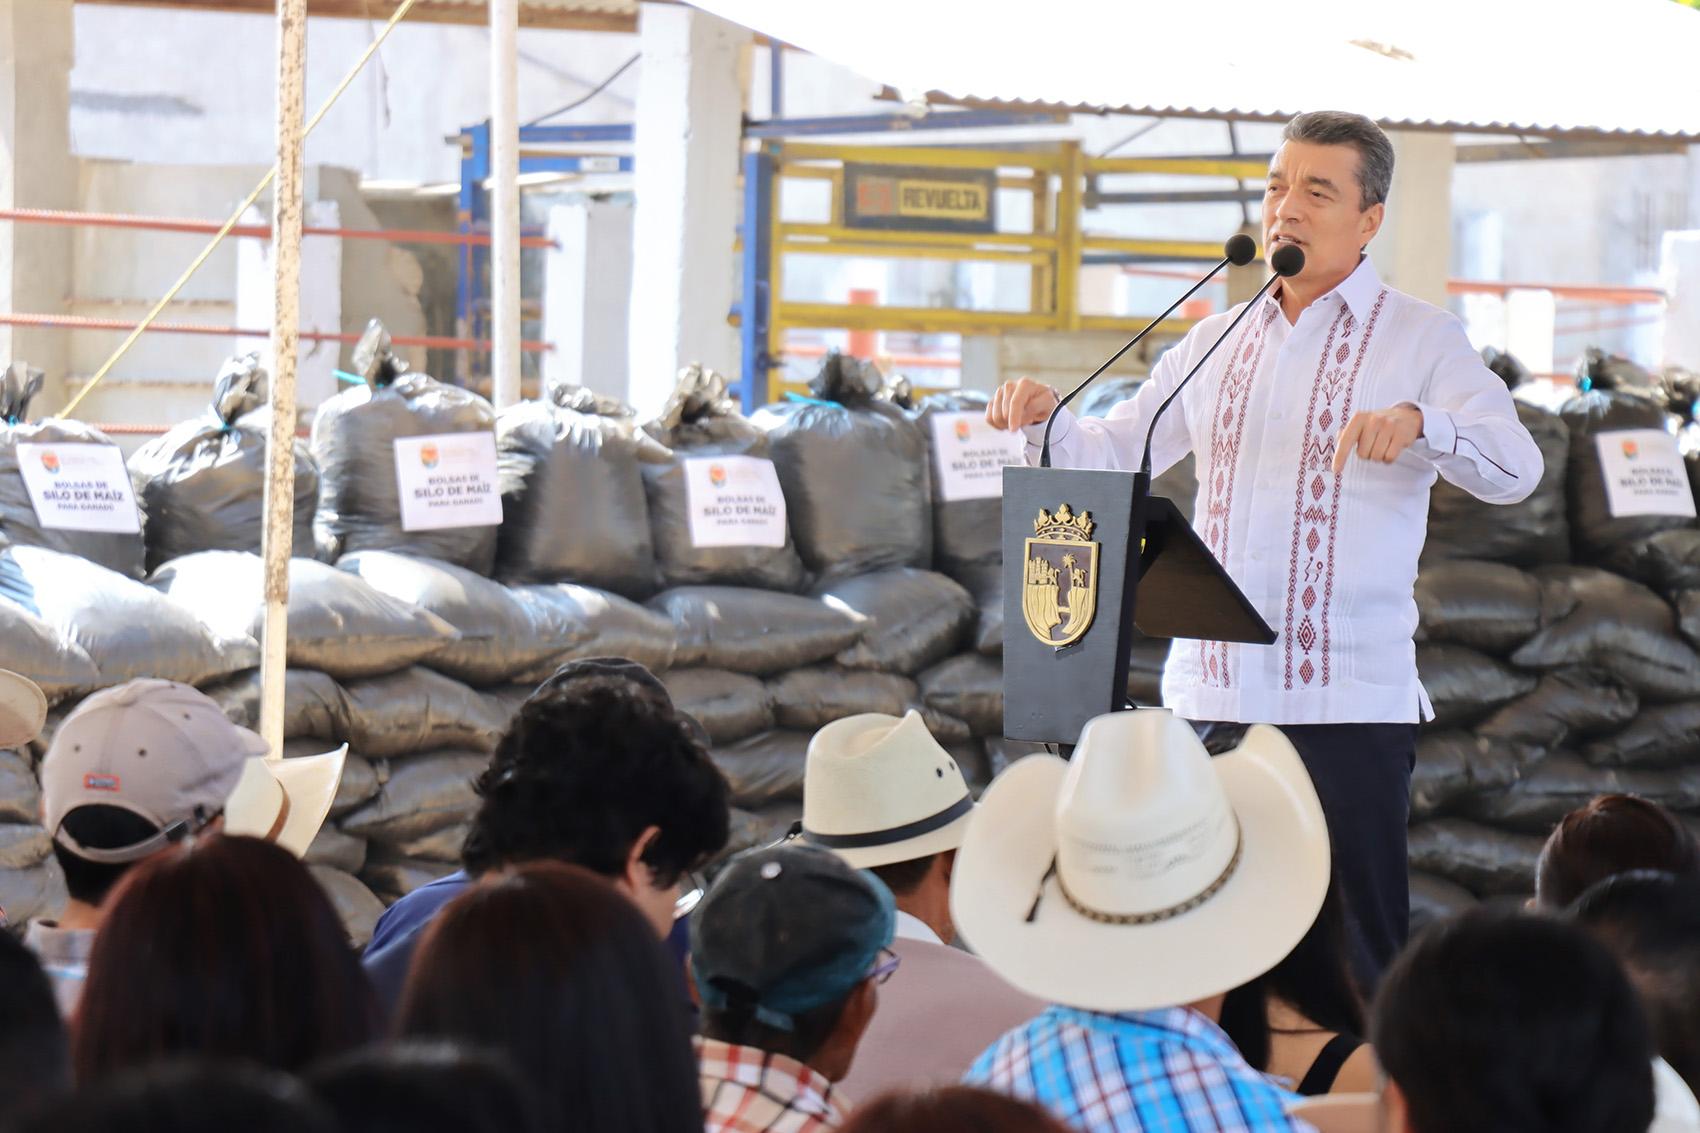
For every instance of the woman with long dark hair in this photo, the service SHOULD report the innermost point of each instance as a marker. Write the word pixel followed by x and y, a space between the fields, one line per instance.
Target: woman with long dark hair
pixel 225 949
pixel 552 966
pixel 1304 1019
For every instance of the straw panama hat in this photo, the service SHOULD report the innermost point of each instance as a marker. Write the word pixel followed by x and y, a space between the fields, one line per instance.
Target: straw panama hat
pixel 23 709
pixel 879 789
pixel 1144 873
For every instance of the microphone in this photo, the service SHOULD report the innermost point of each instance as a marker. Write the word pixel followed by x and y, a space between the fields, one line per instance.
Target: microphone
pixel 1287 260
pixel 1239 250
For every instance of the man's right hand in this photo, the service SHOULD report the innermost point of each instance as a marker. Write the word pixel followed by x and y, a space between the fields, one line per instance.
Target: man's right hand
pixel 1021 402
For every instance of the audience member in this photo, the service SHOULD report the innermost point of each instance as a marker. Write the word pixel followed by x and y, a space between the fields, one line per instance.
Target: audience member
pixel 1131 889
pixel 1651 923
pixel 883 795
pixel 34 1058
pixel 552 966
pixel 1498 1021
pixel 137 769
pixel 408 1087
pixel 224 948
pixel 951 1109
pixel 1612 834
pixel 787 950
pixel 1303 1021
pixel 201 1096
pixel 598 770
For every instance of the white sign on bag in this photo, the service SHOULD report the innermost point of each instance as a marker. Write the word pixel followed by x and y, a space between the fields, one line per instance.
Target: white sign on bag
pixel 447 480
pixel 734 501
pixel 970 456
pixel 79 487
pixel 1644 473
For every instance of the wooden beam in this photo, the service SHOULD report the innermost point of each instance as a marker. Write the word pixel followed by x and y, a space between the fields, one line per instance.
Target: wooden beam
pixel 427 11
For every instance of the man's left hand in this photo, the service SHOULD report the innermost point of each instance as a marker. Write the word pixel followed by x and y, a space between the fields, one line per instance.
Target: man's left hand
pixel 1380 435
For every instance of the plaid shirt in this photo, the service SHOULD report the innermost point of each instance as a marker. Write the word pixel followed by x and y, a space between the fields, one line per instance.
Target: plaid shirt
pixel 1167 1071
pixel 745 1090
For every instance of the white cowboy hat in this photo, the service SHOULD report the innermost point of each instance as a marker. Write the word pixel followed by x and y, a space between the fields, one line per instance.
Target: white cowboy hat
pixel 285 800
pixel 879 789
pixel 1143 874
pixel 23 709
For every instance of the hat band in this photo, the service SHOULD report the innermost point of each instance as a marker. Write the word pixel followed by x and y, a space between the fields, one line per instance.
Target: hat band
pixel 1158 915
pixel 894 833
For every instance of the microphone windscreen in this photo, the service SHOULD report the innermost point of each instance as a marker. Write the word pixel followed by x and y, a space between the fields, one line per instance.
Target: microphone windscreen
pixel 1239 250
pixel 1288 260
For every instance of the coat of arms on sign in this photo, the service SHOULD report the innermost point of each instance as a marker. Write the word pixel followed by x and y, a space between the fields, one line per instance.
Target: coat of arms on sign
pixel 1059 594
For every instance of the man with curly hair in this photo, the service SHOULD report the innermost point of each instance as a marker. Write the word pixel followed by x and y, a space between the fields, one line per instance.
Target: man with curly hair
pixel 597 769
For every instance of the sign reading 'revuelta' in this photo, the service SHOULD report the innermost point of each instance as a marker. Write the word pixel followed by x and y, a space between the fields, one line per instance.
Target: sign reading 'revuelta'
pixel 920 198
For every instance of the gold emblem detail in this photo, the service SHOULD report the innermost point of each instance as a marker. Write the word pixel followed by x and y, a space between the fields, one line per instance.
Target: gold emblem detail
pixel 1060 591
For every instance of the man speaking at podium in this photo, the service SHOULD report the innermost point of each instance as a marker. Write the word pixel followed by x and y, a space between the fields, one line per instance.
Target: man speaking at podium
pixel 1318 430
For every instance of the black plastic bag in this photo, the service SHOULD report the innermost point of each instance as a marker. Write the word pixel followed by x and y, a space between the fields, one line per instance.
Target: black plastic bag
pixel 423 794
pixel 354 435
pixel 356 906
pixel 1529 533
pixel 1505 367
pixel 501 636
pixel 1597 619
pixel 1660 550
pixel 1666 735
pixel 969 687
pixel 754 631
pixel 765 768
pixel 1488 606
pixel 1436 899
pixel 984 583
pixel 809 699
pixel 856 475
pixel 121 552
pixel 391 877
pixel 1465 685
pixel 126 629
pixel 699 421
pixel 1688 614
pixel 1454 765
pixel 201 485
pixel 573 505
pixel 1597 370
pixel 1567 704
pixel 729 706
pixel 1562 782
pixel 20 796
pixel 595 623
pixel 338 623
pixel 419 710
pixel 914 618
pixel 966 533
pixel 337 850
pixel 30 646
pixel 33 892
pixel 1485 861
pixel 315 708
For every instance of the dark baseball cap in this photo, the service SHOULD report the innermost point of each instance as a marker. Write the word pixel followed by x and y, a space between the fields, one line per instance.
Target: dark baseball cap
pixel 786 929
pixel 622 668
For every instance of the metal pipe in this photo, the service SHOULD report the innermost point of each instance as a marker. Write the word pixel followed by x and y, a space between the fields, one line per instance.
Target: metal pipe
pixel 275 545
pixel 86 322
pixel 505 359
pixel 61 218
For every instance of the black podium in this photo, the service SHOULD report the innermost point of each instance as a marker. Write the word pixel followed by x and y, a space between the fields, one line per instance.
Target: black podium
pixel 1090 557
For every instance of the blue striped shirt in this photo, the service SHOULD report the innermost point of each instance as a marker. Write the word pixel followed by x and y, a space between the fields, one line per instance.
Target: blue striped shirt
pixel 1165 1071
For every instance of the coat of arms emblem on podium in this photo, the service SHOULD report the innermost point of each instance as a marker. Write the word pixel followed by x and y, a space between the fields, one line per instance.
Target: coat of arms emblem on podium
pixel 1059 594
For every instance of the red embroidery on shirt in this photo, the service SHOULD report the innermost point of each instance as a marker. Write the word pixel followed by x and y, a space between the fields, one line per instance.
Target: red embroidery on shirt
pixel 1227 431
pixel 1316 502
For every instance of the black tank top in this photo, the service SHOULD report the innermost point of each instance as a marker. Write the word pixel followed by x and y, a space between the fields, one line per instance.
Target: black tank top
pixel 1319 1079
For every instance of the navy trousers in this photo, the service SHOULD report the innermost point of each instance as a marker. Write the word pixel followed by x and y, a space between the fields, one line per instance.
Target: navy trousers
pixel 1362 774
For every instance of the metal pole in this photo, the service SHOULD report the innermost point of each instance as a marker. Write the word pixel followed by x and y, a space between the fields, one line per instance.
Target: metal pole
pixel 280 441
pixel 504 202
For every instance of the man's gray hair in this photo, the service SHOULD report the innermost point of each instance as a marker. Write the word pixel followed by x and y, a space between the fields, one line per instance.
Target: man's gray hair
pixel 1341 128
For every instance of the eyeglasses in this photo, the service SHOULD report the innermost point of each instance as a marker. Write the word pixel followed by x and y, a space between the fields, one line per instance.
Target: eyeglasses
pixel 886 968
pixel 690 895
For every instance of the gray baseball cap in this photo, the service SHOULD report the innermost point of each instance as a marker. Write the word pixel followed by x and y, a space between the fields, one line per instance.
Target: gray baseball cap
pixel 158 749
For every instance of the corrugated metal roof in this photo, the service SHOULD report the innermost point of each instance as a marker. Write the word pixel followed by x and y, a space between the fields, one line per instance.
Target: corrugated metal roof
pixel 595 15
pixel 1520 66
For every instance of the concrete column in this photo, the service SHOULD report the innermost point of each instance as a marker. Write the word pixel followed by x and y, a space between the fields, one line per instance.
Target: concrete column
pixel 36 171
pixel 1680 277
pixel 689 121
pixel 1413 252
pixel 587 291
